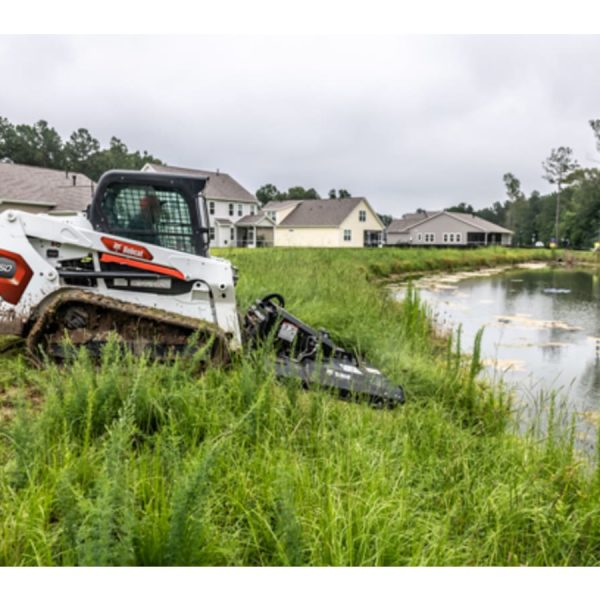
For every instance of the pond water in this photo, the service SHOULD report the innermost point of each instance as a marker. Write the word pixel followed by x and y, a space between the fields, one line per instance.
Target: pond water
pixel 541 333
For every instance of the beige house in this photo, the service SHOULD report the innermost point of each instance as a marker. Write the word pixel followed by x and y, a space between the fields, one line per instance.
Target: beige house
pixel 37 189
pixel 331 223
pixel 445 228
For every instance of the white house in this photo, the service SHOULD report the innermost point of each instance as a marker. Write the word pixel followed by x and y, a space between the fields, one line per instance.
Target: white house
pixel 227 203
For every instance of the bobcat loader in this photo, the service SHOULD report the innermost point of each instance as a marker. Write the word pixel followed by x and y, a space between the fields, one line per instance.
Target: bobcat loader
pixel 137 263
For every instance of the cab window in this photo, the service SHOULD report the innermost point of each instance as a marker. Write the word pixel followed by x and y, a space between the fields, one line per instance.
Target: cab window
pixel 149 214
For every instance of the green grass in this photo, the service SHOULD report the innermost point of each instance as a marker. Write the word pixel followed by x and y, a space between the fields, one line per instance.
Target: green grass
pixel 134 463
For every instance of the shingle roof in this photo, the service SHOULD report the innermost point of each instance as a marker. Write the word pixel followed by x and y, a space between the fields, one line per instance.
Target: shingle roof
pixel 410 221
pixel 280 205
pixel 255 219
pixel 220 186
pixel 483 224
pixel 47 187
pixel 321 213
pixel 407 221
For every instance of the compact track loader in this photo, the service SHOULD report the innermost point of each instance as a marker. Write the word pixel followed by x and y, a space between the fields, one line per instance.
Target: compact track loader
pixel 137 263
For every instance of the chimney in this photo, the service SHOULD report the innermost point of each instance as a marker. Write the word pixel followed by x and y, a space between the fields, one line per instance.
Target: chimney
pixel 74 178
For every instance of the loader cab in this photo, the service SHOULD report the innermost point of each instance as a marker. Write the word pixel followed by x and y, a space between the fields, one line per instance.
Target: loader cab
pixel 153 208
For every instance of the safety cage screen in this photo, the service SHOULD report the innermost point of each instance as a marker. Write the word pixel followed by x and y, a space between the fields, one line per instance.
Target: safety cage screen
pixel 149 214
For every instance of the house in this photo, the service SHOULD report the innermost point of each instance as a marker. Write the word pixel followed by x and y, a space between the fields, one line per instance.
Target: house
pixel 279 210
pixel 255 231
pixel 335 222
pixel 227 203
pixel 443 228
pixel 37 189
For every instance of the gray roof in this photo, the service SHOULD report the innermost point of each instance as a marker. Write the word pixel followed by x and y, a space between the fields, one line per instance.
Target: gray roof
pixel 50 188
pixel 407 221
pixel 222 221
pixel 255 220
pixel 411 220
pixel 220 186
pixel 321 213
pixel 280 205
pixel 483 224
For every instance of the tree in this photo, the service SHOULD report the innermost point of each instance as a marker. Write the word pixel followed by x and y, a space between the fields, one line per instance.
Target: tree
pixel 341 193
pixel 513 187
pixel 79 149
pixel 267 193
pixel 40 145
pixel 299 193
pixel 595 125
pixel 557 167
pixel 50 144
pixel 461 208
pixel 515 211
pixel 37 145
pixel 385 219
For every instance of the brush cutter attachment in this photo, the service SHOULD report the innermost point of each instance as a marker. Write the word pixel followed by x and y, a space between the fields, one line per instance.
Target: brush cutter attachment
pixel 311 356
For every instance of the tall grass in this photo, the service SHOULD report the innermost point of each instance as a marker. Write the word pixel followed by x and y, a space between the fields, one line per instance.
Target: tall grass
pixel 131 462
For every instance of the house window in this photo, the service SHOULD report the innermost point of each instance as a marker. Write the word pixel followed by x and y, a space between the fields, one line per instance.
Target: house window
pixel 347 235
pixel 211 234
pixel 211 208
pixel 240 210
pixel 272 215
pixel 231 233
pixel 430 238
pixel 231 210
pixel 445 238
pixel 419 237
pixel 458 237
pixel 252 209
pixel 362 215
pixel 452 238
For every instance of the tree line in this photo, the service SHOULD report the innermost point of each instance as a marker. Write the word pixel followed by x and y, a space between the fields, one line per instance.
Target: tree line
pixel 569 216
pixel 40 145
pixel 270 193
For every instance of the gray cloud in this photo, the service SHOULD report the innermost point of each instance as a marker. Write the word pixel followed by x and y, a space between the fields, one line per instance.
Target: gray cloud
pixel 407 121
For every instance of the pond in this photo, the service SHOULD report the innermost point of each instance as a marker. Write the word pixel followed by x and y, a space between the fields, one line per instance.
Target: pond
pixel 541 333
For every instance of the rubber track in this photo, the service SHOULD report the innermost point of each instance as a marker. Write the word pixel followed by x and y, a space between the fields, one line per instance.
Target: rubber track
pixel 50 310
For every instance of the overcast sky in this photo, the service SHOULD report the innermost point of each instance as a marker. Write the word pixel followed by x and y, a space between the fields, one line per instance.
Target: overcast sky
pixel 407 121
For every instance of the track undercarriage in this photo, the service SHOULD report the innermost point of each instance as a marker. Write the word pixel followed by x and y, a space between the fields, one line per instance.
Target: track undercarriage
pixel 76 318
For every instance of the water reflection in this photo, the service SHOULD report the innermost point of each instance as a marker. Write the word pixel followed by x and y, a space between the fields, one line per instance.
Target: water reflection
pixel 537 337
